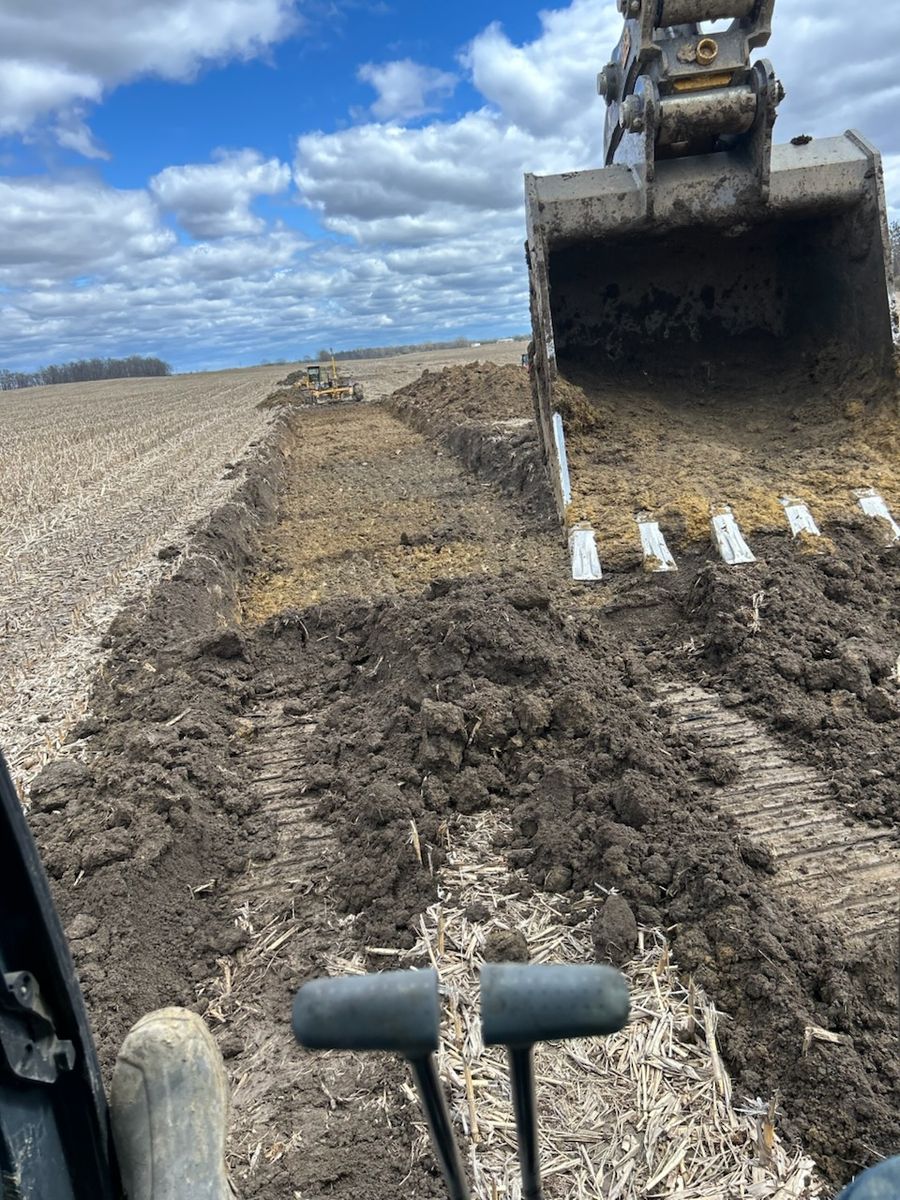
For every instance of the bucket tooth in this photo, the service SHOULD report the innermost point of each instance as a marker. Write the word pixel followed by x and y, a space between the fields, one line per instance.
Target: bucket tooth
pixel 657 555
pixel 799 517
pixel 583 551
pixel 562 460
pixel 729 540
pixel 874 505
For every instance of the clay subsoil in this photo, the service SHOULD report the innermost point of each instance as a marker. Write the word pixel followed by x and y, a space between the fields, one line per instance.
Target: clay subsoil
pixel 379 631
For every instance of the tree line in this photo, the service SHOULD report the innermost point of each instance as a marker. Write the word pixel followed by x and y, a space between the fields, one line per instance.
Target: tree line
pixel 390 351
pixel 84 370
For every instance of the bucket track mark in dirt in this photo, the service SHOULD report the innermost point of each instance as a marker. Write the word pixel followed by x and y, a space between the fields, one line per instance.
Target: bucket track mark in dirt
pixel 826 861
pixel 294 1129
pixel 275 764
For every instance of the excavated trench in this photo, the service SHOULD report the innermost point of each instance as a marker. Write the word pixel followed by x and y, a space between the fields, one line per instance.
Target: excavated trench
pixel 378 635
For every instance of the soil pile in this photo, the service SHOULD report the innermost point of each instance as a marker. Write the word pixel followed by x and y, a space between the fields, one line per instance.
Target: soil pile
pixel 821 669
pixel 496 696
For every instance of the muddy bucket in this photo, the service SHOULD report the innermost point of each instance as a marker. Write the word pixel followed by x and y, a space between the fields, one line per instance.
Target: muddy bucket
pixel 697 287
pixel 701 255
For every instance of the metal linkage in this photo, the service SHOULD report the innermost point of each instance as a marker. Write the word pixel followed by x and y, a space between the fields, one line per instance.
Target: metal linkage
pixel 683 12
pixel 674 90
pixel 525 1003
pixel 520 1004
pixel 31 1049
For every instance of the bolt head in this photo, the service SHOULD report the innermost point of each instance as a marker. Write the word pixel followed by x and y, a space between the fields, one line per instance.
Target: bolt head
pixel 608 82
pixel 64 1057
pixel 632 115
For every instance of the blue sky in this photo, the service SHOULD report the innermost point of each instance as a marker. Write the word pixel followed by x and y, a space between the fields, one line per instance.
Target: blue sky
pixel 308 81
pixel 229 184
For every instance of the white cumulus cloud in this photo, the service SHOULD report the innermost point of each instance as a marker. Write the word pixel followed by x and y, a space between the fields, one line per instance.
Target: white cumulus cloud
pixel 212 200
pixel 549 86
pixel 60 230
pixel 423 217
pixel 406 89
pixel 71 130
pixel 55 55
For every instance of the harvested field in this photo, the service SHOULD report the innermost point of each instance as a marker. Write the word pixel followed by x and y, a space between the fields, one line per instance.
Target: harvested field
pixel 97 478
pixel 369 721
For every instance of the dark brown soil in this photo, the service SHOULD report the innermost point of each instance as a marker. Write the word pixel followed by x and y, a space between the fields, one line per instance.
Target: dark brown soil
pixel 490 696
pixel 483 413
pixel 822 670
pixel 503 691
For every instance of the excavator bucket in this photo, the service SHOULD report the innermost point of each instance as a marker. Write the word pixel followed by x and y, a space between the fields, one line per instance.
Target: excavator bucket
pixel 707 308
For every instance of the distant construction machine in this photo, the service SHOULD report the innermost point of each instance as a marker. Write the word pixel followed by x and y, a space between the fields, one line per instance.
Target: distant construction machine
pixel 324 384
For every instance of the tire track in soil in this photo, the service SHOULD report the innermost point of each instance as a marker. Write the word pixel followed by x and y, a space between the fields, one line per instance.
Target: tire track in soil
pixel 840 869
pixel 300 1123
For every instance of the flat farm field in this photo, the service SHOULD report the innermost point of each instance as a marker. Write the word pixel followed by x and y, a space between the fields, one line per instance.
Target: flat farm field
pixel 95 479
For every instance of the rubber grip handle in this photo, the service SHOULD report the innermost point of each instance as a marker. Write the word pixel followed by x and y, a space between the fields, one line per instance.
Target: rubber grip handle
pixel 523 1003
pixel 396 1010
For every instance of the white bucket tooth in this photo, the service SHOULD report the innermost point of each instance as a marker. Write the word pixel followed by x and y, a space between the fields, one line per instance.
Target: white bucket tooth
pixel 729 539
pixel 874 505
pixel 559 438
pixel 585 559
pixel 799 517
pixel 657 556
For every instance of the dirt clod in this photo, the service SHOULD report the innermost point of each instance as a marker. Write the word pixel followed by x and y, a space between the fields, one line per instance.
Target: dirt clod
pixel 50 791
pixel 506 946
pixel 615 932
pixel 229 644
pixel 558 879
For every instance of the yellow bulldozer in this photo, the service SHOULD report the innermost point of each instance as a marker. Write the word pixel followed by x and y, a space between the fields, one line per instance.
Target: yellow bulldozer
pixel 324 384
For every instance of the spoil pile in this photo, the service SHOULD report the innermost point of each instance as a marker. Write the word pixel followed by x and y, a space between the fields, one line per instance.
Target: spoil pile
pixel 822 669
pixel 496 698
